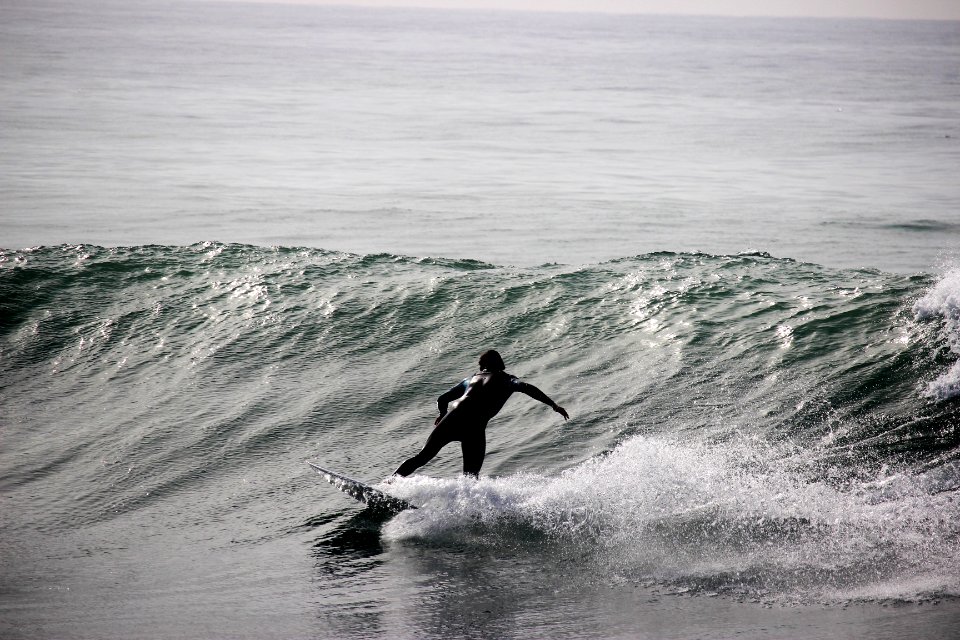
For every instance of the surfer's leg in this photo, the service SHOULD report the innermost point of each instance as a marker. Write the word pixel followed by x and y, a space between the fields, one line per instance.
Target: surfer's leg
pixel 474 447
pixel 439 438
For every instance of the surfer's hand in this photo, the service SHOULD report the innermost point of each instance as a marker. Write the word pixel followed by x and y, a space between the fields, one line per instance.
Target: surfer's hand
pixel 561 411
pixel 439 418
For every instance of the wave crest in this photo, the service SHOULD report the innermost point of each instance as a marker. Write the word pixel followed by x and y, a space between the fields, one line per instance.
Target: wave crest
pixel 943 301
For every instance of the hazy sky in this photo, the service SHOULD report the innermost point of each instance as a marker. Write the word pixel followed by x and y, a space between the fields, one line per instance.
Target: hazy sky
pixel 898 9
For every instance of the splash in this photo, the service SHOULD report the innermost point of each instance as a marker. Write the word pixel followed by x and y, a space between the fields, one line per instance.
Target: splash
pixel 943 301
pixel 739 519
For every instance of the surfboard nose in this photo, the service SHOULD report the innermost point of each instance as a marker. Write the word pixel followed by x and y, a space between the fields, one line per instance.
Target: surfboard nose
pixel 361 492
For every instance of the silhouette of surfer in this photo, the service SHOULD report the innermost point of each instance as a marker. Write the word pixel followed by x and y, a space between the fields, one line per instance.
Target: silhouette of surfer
pixel 474 401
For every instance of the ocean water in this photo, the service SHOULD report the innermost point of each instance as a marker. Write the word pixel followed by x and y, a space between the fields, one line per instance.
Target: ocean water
pixel 505 137
pixel 238 237
pixel 746 428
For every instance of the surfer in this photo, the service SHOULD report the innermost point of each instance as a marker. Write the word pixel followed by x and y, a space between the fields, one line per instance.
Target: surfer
pixel 474 402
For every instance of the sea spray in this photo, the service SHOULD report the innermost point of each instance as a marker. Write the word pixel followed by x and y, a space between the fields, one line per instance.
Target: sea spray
pixel 942 302
pixel 707 519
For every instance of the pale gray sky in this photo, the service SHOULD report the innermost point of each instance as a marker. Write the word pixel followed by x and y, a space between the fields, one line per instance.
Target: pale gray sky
pixel 895 9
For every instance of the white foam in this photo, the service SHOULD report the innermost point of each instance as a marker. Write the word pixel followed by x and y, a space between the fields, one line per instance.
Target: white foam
pixel 732 517
pixel 943 301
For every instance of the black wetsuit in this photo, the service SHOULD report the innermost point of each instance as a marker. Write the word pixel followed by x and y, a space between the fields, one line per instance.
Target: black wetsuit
pixel 475 400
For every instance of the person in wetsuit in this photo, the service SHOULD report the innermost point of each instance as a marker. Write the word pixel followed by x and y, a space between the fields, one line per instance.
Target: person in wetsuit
pixel 474 401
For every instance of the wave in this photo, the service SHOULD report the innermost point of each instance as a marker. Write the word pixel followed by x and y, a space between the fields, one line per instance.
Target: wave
pixel 742 424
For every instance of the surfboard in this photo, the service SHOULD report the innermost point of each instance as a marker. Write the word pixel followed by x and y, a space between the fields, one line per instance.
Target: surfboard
pixel 373 498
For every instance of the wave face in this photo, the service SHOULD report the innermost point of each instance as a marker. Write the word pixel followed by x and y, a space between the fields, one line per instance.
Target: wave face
pixel 742 425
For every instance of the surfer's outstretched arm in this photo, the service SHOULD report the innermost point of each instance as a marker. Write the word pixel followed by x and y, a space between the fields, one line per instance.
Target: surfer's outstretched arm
pixel 536 394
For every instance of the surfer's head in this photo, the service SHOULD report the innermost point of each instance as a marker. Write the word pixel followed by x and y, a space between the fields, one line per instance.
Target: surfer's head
pixel 491 361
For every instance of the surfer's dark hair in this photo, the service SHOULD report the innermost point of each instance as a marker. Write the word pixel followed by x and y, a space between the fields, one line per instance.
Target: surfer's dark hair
pixel 491 361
